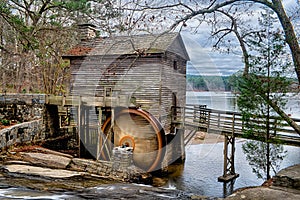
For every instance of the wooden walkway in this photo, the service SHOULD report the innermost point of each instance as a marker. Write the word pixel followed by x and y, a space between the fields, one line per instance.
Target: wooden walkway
pixel 200 118
pixel 231 125
pixel 197 118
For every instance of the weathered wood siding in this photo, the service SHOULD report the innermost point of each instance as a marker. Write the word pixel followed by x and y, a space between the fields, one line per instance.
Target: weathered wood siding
pixel 150 81
pixel 173 85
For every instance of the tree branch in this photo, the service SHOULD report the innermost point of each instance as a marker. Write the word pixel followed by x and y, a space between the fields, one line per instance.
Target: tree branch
pixel 208 10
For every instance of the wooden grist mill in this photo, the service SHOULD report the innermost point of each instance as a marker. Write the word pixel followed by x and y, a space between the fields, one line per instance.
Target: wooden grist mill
pixel 126 87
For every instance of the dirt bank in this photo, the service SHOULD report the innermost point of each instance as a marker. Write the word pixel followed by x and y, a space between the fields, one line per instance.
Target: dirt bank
pixel 206 138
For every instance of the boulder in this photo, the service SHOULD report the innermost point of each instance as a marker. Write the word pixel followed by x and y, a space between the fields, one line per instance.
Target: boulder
pixel 46 160
pixel 264 193
pixel 288 177
pixel 41 171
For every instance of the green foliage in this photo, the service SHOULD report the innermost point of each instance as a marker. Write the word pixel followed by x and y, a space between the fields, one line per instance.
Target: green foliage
pixel 5 122
pixel 209 83
pixel 82 5
pixel 256 155
pixel 269 66
pixel 266 82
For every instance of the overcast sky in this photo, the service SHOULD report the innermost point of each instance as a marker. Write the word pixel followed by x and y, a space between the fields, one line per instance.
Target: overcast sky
pixel 204 61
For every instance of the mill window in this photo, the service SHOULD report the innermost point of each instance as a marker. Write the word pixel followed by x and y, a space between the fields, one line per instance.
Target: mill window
pixel 175 65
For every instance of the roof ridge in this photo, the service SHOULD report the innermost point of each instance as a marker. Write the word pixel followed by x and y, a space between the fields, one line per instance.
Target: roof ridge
pixel 130 44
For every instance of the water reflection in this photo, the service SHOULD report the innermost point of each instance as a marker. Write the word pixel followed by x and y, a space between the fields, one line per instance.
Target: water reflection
pixel 256 155
pixel 228 188
pixel 204 164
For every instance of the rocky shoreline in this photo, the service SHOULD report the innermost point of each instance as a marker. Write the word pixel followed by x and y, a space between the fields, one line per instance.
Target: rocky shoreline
pixel 284 185
pixel 48 171
pixel 41 163
pixel 42 169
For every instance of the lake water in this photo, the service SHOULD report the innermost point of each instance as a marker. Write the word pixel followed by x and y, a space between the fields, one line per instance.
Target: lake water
pixel 203 166
pixel 228 101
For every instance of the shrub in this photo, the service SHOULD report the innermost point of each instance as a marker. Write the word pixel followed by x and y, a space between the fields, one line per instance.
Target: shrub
pixel 5 122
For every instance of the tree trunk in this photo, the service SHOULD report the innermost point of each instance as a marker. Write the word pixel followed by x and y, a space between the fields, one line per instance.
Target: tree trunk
pixel 290 35
pixel 281 113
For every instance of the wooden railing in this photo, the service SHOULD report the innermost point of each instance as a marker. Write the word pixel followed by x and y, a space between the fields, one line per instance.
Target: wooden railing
pixel 198 117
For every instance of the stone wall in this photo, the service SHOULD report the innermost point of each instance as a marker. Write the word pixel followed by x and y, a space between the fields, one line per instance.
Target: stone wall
pixel 21 107
pixel 20 113
pixel 21 133
pixel 22 98
pixel 120 168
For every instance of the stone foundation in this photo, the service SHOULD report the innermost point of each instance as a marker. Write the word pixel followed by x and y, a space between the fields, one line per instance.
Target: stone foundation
pixel 175 149
pixel 120 168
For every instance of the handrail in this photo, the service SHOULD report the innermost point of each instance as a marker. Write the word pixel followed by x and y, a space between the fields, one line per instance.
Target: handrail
pixel 230 122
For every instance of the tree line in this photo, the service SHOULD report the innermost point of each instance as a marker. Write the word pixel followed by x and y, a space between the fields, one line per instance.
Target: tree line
pixel 209 83
pixel 231 83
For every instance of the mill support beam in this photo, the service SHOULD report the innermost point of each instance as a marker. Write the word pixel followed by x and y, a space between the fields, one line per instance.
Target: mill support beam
pixel 229 151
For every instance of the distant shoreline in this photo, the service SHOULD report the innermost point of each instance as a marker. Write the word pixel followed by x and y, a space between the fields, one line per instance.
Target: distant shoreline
pixel 198 90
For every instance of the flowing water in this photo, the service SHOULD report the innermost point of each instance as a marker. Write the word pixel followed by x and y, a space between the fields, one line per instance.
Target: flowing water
pixel 203 165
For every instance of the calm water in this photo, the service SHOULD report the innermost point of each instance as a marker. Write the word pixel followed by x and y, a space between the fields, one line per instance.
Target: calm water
pixel 227 101
pixel 204 164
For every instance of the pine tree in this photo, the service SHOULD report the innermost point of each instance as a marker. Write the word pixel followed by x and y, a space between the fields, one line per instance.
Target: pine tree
pixel 266 82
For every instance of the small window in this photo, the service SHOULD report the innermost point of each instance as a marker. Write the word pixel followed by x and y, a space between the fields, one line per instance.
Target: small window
pixel 175 65
pixel 108 92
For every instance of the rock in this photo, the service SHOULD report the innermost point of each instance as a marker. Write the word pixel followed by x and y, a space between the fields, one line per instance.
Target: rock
pixel 48 151
pixel 47 160
pixel 264 193
pixel 16 162
pixel 289 177
pixel 42 171
pixel 197 197
pixel 284 185
pixel 106 170
pixel 118 170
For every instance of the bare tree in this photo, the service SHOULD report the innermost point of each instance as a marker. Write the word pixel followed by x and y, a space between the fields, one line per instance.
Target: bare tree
pixel 182 12
pixel 192 14
pixel 36 34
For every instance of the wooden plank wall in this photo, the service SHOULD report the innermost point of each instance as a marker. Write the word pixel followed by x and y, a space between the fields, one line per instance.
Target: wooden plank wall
pixel 149 81
pixel 174 81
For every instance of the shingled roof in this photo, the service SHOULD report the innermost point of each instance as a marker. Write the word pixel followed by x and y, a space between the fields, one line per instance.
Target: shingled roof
pixel 126 45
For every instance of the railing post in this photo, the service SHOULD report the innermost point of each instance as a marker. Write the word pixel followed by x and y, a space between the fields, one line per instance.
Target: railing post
pixel 219 119
pixel 195 113
pixel 233 123
pixel 202 113
pixel 99 133
pixel 208 121
pixel 275 127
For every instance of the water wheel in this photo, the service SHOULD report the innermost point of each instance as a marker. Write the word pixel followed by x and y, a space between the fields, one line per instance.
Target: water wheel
pixel 140 130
